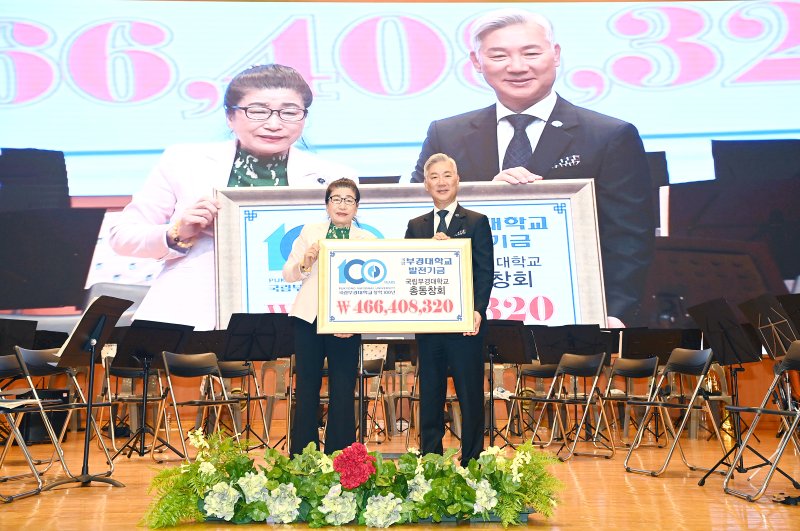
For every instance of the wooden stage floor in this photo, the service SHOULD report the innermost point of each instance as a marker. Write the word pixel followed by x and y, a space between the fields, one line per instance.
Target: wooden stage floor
pixel 598 494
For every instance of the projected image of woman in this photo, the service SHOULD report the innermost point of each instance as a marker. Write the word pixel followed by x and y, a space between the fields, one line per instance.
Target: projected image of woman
pixel 172 217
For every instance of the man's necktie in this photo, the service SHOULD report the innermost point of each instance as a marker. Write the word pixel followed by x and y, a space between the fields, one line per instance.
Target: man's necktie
pixel 519 149
pixel 442 223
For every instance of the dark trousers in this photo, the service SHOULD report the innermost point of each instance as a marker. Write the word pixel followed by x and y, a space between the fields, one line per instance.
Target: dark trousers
pixel 310 352
pixel 463 355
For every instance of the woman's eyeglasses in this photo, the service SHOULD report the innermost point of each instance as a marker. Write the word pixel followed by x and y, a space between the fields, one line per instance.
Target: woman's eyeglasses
pixel 336 200
pixel 260 113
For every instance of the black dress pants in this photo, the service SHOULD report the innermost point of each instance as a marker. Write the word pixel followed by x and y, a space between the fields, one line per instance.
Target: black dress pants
pixel 463 355
pixel 310 352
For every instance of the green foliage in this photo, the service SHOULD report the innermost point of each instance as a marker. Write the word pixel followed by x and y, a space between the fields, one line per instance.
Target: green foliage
pixel 431 487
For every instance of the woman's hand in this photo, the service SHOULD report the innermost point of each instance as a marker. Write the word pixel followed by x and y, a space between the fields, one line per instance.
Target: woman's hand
pixel 311 255
pixel 197 218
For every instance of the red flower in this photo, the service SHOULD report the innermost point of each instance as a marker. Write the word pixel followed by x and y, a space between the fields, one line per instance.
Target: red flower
pixel 354 465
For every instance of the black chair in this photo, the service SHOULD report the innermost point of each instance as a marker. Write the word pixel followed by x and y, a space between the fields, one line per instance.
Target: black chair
pixel 44 364
pixel 12 412
pixel 10 370
pixel 789 415
pixel 193 366
pixel 585 395
pixel 631 371
pixel 245 372
pixel 682 363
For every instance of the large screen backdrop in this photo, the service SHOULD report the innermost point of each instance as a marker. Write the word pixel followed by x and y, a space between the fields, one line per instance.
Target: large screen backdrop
pixel 112 83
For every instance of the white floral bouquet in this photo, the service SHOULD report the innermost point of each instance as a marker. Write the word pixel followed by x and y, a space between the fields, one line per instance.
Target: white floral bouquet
pixel 352 486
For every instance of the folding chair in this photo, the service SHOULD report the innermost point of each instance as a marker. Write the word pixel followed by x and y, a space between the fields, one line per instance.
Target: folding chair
pixel 789 415
pixel 12 410
pixel 582 396
pixel 43 363
pixel 631 371
pixel 375 390
pixel 283 370
pixel 192 366
pixel 682 364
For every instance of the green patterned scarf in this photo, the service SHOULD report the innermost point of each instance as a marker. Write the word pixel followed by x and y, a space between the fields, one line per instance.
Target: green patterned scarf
pixel 337 233
pixel 249 170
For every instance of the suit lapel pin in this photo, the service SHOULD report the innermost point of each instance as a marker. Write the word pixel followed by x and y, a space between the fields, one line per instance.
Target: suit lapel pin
pixel 556 123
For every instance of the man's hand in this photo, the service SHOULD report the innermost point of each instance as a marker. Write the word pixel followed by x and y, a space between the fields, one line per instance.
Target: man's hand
pixel 518 175
pixel 477 326
pixel 441 236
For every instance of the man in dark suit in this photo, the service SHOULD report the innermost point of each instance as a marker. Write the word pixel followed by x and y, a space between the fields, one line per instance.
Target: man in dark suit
pixel 461 354
pixel 539 135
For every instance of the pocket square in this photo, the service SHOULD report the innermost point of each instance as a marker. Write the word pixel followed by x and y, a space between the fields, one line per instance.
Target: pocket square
pixel 565 162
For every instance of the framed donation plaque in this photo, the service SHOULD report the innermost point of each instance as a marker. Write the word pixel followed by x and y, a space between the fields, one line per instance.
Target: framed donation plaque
pixel 395 286
pixel 547 266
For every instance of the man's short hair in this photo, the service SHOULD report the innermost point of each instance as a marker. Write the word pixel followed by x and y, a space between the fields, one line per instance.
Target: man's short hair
pixel 500 18
pixel 438 157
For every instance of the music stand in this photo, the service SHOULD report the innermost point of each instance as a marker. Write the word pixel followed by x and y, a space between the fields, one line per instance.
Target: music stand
pixel 642 343
pixel 506 342
pixel 553 341
pixel 252 337
pixel 791 304
pixel 773 325
pixel 138 348
pixel 16 332
pixel 89 336
pixel 732 348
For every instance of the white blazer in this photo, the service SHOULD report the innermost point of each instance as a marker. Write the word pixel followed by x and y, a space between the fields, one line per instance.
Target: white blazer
pixel 185 290
pixel 306 303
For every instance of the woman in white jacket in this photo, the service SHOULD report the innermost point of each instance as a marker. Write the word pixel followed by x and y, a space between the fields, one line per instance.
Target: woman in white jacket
pixel 172 217
pixel 311 349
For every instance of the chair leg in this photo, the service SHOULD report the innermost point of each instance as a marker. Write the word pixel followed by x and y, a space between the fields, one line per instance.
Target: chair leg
pixel 16 435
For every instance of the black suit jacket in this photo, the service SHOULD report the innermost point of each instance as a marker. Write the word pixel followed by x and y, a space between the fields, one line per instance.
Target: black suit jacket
pixel 576 144
pixel 475 226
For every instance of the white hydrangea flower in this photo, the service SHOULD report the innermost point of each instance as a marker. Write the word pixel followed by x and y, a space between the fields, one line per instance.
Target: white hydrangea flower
pixel 461 471
pixel 485 497
pixel 413 450
pixel 339 507
pixel 254 487
pixel 418 487
pixel 283 504
pixel 382 511
pixel 221 501
pixel 207 469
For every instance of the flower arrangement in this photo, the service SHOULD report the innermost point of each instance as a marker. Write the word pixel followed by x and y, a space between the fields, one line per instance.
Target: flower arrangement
pixel 352 486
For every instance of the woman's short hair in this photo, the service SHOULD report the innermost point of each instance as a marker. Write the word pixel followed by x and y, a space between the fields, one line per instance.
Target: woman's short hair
pixel 343 183
pixel 266 77
pixel 500 18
